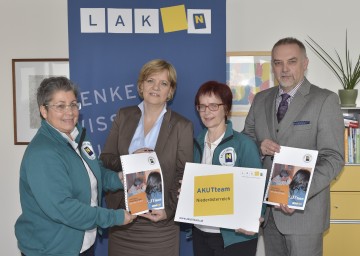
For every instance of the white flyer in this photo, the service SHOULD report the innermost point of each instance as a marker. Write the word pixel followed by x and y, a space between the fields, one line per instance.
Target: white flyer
pixel 290 177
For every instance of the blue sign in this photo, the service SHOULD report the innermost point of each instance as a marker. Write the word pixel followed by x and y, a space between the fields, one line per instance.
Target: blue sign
pixel 109 41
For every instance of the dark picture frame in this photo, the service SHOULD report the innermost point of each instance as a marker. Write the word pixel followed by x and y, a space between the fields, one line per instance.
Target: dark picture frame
pixel 27 75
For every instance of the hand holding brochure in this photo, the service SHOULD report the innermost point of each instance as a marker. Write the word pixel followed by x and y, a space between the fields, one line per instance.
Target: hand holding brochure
pixel 143 182
pixel 290 177
pixel 221 196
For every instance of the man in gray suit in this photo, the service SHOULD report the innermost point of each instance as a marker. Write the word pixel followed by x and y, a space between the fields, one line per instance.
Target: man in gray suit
pixel 298 114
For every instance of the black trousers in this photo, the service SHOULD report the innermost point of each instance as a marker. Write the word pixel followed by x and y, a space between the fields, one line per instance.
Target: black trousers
pixel 212 244
pixel 247 248
pixel 207 244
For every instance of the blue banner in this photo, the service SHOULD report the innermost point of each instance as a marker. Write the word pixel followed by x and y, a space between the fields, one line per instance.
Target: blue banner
pixel 109 41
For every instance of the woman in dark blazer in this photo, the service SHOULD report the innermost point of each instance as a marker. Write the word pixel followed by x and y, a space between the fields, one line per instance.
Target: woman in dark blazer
pixel 151 125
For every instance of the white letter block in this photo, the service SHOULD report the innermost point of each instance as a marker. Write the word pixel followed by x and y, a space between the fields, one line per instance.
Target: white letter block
pixel 147 21
pixel 192 28
pixel 119 20
pixel 92 20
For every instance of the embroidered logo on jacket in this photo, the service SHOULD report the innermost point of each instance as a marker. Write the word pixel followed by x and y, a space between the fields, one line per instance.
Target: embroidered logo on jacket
pixel 88 150
pixel 227 157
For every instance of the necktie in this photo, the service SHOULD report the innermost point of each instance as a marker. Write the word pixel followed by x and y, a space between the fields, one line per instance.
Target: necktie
pixel 283 106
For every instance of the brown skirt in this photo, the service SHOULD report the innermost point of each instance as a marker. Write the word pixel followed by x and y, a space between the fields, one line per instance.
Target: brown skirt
pixel 142 238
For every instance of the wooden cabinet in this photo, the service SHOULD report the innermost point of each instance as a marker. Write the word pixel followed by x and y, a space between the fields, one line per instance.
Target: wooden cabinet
pixel 348 180
pixel 343 205
pixel 342 240
pixel 343 236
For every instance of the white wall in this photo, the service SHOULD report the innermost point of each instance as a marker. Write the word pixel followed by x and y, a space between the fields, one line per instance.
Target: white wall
pixel 257 25
pixel 38 29
pixel 28 29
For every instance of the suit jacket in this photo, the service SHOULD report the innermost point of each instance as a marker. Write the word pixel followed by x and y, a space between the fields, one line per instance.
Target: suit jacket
pixel 174 147
pixel 313 121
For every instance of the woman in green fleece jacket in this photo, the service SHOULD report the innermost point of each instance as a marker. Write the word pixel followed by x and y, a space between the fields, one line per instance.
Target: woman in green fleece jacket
pixel 213 101
pixel 61 181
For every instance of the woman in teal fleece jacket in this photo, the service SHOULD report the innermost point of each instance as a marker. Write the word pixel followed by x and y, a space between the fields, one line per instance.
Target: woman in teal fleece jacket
pixel 61 181
pixel 213 101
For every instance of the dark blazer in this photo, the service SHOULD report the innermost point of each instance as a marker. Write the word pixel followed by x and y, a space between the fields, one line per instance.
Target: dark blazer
pixel 174 148
pixel 313 121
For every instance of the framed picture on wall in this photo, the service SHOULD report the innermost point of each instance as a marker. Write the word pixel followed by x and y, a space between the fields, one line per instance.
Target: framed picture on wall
pixel 247 73
pixel 27 75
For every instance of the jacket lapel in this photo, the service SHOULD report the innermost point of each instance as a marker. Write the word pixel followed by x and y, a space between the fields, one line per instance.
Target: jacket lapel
pixel 164 133
pixel 270 104
pixel 130 127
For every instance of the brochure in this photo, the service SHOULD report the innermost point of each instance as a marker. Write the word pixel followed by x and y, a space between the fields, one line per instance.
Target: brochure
pixel 290 177
pixel 221 196
pixel 143 182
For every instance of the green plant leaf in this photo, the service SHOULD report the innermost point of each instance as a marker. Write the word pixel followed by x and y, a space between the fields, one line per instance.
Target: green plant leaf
pixel 345 72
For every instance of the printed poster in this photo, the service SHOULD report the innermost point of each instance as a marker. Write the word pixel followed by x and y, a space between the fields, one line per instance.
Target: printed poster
pixel 221 196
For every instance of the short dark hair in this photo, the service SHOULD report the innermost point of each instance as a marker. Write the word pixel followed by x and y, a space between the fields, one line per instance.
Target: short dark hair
pixel 289 40
pixel 284 173
pixel 153 183
pixel 300 180
pixel 220 90
pixel 50 85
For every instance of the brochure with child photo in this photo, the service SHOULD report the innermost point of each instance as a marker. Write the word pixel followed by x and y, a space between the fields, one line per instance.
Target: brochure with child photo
pixel 290 177
pixel 143 182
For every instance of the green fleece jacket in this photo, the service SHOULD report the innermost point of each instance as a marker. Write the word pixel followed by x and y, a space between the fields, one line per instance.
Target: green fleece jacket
pixel 247 155
pixel 55 195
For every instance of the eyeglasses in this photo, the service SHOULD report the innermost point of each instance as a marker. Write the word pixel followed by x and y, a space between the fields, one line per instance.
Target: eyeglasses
pixel 61 108
pixel 211 106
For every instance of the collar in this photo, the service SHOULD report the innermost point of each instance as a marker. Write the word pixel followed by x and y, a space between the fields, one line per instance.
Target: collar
pixel 228 132
pixel 293 91
pixel 73 135
pixel 216 142
pixel 141 107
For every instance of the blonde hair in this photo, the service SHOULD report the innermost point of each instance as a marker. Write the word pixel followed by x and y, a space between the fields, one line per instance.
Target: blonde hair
pixel 156 66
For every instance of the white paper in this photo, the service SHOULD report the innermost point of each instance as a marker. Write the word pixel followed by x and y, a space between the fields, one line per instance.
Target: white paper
pixel 249 184
pixel 139 199
pixel 291 160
